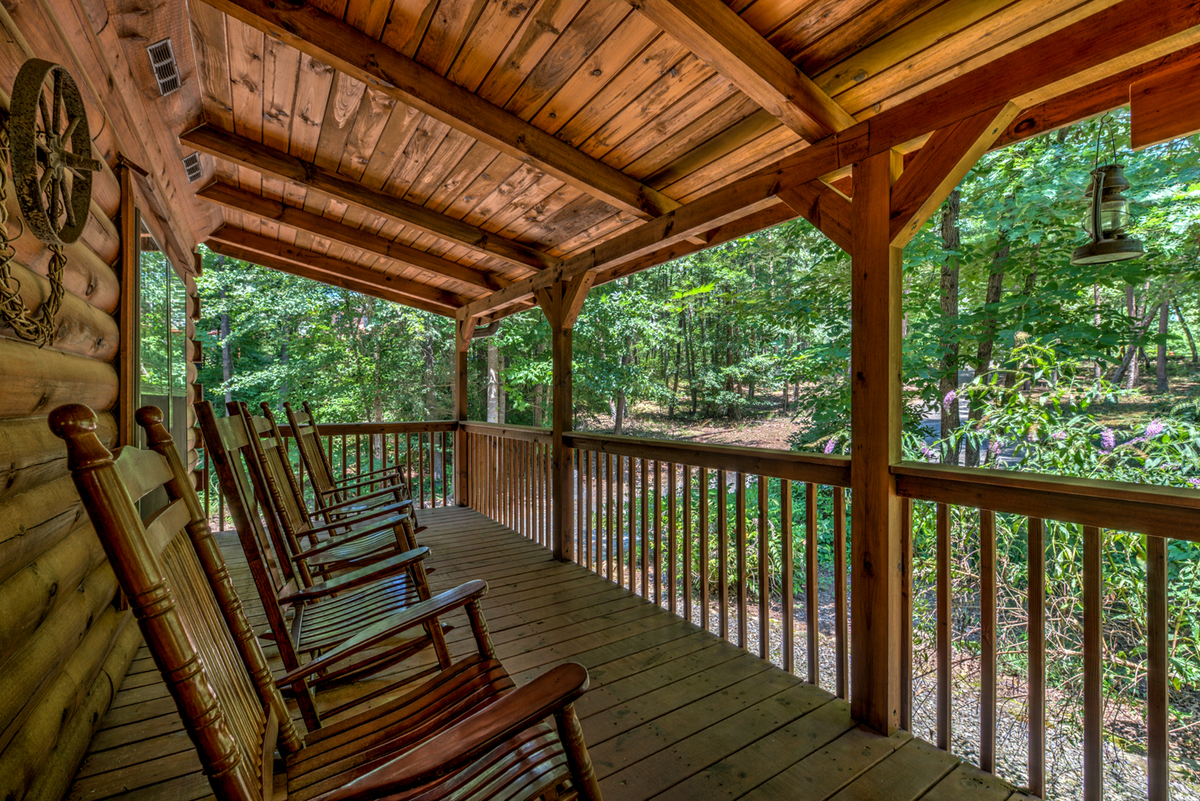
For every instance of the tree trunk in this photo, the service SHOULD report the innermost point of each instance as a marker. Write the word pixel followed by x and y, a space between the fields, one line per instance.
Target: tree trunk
pixel 948 383
pixel 1131 364
pixel 675 382
pixel 283 360
pixel 501 394
pixel 493 382
pixel 1187 332
pixel 619 410
pixel 226 353
pixel 1096 319
pixel 1160 384
pixel 987 340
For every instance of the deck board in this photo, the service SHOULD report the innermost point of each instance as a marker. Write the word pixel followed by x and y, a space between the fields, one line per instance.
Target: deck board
pixel 673 713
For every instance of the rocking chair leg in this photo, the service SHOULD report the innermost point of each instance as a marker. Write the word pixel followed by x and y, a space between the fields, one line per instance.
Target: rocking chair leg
pixel 582 774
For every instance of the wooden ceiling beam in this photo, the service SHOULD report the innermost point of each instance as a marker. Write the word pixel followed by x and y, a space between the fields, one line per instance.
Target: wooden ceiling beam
pixel 715 33
pixel 345 282
pixel 1054 60
pixel 279 252
pixel 245 152
pixel 324 37
pixel 231 197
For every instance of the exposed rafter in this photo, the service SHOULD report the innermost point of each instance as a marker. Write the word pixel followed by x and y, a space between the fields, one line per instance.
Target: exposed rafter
pixel 323 268
pixel 308 29
pixel 1035 71
pixel 240 200
pixel 823 206
pixel 715 33
pixel 256 156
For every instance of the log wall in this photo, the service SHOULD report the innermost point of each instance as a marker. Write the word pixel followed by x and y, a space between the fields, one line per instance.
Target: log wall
pixel 65 643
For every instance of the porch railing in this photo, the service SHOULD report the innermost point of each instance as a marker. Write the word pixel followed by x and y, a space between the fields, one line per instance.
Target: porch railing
pixel 423 451
pixel 739 540
pixel 712 533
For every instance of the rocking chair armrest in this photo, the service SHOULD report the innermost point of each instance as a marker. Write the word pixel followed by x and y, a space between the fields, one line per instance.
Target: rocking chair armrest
pixel 415 615
pixel 470 738
pixel 356 578
pixel 378 495
pixel 398 509
pixel 342 539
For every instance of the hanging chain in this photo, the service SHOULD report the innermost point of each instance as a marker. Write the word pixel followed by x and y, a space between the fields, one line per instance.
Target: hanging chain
pixel 13 313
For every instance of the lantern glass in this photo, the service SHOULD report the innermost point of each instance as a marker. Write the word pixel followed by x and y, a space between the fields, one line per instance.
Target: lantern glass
pixel 1114 216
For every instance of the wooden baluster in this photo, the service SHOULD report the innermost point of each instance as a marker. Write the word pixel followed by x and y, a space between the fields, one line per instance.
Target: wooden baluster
pixel 580 509
pixel 987 640
pixel 722 554
pixel 645 529
pixel 687 542
pixel 906 614
pixel 702 538
pixel 586 456
pixel 619 536
pixel 446 459
pixel 786 578
pixel 421 467
pixel 764 574
pixel 1157 688
pixel 944 626
pixel 841 606
pixel 608 517
pixel 1093 645
pixel 358 454
pixel 1036 578
pixel 527 487
pixel 633 526
pixel 658 585
pixel 344 451
pixel 742 545
pixel 408 461
pixel 672 549
pixel 547 468
pixel 812 602
pixel 370 453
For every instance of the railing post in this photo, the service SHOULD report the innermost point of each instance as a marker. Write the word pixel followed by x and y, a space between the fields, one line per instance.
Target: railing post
pixel 464 330
pixel 561 304
pixel 875 419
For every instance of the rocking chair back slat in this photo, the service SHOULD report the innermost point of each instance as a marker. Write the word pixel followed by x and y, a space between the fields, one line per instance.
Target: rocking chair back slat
pixel 171 571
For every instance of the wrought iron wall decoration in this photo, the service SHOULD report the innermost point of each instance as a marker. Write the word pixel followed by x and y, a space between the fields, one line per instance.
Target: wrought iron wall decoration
pixel 47 145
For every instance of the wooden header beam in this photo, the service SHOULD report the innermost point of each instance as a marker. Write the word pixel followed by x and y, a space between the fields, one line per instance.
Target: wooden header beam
pixel 330 40
pixel 280 255
pixel 263 159
pixel 231 197
pixel 715 33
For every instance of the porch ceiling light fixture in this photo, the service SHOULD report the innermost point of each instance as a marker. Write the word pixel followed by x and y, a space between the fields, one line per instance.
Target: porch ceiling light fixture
pixel 1108 213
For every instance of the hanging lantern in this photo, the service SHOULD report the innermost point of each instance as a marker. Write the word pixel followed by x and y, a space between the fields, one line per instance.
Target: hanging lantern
pixel 1107 218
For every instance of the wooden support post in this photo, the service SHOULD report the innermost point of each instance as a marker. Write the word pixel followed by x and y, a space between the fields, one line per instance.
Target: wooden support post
pixel 464 330
pixel 876 574
pixel 561 304
pixel 127 314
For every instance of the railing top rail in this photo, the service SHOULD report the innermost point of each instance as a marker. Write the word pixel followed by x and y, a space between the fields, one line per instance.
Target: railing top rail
pixel 832 471
pixel 528 433
pixel 1117 505
pixel 388 428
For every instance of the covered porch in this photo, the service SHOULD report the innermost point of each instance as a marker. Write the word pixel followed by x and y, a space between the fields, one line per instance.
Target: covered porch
pixel 477 160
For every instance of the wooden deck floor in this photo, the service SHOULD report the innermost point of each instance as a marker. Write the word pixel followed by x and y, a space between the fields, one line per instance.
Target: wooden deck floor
pixel 673 711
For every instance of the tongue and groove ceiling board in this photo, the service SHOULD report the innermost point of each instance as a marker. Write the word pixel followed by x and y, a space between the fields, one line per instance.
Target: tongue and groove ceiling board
pixel 467 145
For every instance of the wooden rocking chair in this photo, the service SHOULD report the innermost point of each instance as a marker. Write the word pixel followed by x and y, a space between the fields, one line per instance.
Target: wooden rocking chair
pixel 355 491
pixel 465 733
pixel 325 612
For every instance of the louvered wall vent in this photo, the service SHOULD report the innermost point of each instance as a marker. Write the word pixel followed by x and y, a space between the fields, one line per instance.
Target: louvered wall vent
pixel 192 165
pixel 162 59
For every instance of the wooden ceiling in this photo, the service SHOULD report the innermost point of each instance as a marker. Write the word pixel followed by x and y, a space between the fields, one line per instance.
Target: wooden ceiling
pixel 452 154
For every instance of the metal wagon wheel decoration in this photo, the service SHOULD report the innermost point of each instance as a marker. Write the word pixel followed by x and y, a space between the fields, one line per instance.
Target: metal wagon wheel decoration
pixel 51 152
pixel 52 170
